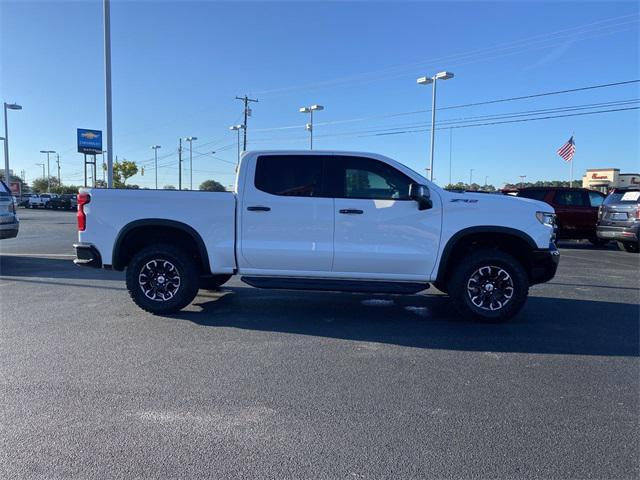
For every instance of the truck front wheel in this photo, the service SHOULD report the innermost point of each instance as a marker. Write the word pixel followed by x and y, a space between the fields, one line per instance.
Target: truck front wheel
pixel 489 286
pixel 162 279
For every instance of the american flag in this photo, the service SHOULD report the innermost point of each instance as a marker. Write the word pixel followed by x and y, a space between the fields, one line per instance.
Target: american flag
pixel 567 150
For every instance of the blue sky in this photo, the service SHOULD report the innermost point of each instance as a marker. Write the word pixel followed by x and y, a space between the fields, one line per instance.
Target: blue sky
pixel 177 67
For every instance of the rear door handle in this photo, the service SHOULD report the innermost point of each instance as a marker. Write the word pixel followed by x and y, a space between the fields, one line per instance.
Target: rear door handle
pixel 351 211
pixel 259 208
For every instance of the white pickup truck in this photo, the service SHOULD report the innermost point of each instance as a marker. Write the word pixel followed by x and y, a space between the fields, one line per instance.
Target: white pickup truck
pixel 321 220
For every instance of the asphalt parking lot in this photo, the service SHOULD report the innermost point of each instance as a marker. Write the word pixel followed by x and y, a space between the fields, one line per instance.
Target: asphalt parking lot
pixel 249 383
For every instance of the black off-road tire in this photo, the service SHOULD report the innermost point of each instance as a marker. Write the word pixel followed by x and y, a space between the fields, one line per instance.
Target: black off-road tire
pixel 466 283
pixel 631 247
pixel 141 270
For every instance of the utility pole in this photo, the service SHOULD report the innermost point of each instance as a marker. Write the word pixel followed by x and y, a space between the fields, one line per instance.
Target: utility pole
pixel 522 177
pixel 155 153
pixel 107 87
pixel 247 113
pixel 190 140
pixel 180 165
pixel 58 163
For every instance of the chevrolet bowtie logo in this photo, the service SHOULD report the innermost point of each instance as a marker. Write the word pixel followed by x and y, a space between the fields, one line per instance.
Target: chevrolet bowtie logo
pixel 89 135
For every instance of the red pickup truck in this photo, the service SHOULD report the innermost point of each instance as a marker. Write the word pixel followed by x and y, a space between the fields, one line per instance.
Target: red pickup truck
pixel 576 210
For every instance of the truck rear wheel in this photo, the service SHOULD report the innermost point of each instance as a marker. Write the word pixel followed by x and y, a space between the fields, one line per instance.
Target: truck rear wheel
pixel 489 286
pixel 632 247
pixel 162 279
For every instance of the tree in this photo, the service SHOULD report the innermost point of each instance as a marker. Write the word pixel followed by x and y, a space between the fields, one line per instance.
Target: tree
pixel 212 186
pixel 39 185
pixel 168 187
pixel 122 171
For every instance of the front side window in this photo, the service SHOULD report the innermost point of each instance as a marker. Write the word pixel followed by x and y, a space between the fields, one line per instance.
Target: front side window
pixel 371 179
pixel 290 175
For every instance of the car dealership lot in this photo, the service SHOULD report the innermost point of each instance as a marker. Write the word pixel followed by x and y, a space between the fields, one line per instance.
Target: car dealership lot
pixel 319 385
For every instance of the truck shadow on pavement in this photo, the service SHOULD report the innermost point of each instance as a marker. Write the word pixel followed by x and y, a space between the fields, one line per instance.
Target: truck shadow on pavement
pixel 546 325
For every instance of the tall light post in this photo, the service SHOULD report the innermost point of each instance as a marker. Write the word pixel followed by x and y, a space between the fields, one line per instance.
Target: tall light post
pixel 471 176
pixel 41 165
pixel 309 125
pixel 8 106
pixel 190 140
pixel 107 88
pixel 237 128
pixel 522 177
pixel 48 169
pixel 427 81
pixel 155 154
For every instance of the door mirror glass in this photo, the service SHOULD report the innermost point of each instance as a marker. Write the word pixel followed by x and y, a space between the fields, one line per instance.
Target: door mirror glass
pixel 420 193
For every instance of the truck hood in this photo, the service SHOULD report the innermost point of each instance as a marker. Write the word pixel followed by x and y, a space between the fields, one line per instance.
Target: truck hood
pixel 498 201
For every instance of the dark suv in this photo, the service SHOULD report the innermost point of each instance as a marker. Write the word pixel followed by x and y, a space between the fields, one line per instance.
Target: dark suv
pixel 66 201
pixel 619 218
pixel 576 210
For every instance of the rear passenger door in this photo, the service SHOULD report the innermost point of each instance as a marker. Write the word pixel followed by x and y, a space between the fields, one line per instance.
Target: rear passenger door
pixel 379 230
pixel 285 219
pixel 576 217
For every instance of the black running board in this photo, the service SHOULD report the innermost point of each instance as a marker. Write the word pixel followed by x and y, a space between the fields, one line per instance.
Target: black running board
pixel 333 285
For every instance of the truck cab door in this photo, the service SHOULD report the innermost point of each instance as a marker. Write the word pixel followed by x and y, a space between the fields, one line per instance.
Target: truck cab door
pixel 380 232
pixel 285 223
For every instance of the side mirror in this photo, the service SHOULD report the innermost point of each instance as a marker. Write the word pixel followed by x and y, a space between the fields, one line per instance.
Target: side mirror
pixel 420 193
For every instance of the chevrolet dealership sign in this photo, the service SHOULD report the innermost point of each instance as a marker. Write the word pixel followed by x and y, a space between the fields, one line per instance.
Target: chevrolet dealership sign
pixel 89 141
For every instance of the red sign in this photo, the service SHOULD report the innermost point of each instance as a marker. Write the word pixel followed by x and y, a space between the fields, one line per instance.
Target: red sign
pixel 595 176
pixel 16 188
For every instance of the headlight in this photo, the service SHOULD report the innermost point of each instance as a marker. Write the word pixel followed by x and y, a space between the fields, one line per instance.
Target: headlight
pixel 546 218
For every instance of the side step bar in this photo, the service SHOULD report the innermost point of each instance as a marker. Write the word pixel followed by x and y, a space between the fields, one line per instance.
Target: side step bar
pixel 333 285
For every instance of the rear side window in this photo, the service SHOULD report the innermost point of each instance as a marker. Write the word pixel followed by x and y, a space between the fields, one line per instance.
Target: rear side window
pixel 4 190
pixel 533 194
pixel 290 175
pixel 571 198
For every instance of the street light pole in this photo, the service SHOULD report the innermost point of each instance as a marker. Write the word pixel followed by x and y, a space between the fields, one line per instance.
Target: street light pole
pixel 427 81
pixel 471 176
pixel 107 86
pixel 155 152
pixel 41 165
pixel 522 177
pixel 309 125
pixel 58 164
pixel 237 128
pixel 190 140
pixel 8 106
pixel 48 169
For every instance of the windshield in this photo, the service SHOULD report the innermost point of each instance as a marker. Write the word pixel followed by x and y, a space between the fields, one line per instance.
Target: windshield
pixel 621 196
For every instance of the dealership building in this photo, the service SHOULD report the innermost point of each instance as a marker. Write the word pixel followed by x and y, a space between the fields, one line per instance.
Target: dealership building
pixel 604 179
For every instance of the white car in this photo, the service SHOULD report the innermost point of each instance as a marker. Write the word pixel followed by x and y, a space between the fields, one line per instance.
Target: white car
pixel 339 221
pixel 9 222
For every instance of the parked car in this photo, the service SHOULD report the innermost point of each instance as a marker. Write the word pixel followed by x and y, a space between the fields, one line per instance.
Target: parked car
pixel 65 201
pixel 35 201
pixel 576 210
pixel 335 221
pixel 9 222
pixel 619 219
pixel 46 198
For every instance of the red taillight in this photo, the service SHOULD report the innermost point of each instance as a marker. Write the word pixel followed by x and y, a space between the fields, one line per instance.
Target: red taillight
pixel 83 199
pixel 638 213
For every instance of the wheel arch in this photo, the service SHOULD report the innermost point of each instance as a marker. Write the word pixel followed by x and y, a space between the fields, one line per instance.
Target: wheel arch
pixel 510 240
pixel 140 233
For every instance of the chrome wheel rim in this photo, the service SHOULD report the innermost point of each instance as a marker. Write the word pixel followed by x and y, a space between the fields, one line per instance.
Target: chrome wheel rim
pixel 159 280
pixel 490 288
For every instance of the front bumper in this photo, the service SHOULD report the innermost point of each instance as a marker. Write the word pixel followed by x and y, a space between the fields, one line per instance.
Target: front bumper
pixel 624 234
pixel 87 255
pixel 544 264
pixel 9 229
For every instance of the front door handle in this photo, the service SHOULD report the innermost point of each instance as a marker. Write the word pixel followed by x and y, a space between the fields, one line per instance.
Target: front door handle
pixel 351 211
pixel 258 208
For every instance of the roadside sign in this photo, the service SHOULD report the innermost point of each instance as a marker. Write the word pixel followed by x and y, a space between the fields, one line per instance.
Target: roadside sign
pixel 89 141
pixel 16 188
